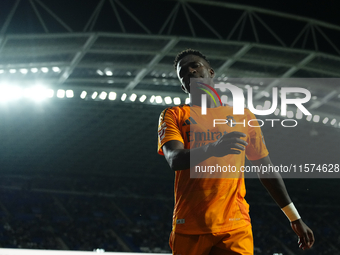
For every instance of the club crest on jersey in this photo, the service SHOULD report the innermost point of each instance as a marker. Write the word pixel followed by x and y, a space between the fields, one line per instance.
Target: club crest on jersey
pixel 231 122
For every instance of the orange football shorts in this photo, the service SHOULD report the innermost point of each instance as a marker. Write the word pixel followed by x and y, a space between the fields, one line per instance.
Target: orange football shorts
pixel 235 242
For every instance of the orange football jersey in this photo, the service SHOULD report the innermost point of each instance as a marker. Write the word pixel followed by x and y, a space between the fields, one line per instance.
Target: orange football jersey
pixel 209 202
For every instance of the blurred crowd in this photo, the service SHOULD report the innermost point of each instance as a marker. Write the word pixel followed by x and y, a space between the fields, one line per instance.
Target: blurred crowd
pixel 134 214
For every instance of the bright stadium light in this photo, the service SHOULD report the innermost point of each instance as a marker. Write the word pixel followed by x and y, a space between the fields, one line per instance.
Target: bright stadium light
pixel 133 97
pixel 34 70
pixel 266 105
pixel 49 93
pixel 103 95
pixel 187 100
pixel 142 98
pixel 2 71
pixel 44 69
pixel 108 72
pixel 298 114
pixel 12 71
pixel 69 93
pixel 83 94
pixel 325 120
pixel 100 72
pixel 266 94
pixel 8 93
pixel 177 101
pixel 152 99
pixel 123 97
pixel 290 114
pixel 37 93
pixel 167 100
pixel 309 117
pixel 56 69
pixel 61 93
pixel 112 96
pixel 23 71
pixel 333 121
pixel 159 99
pixel 94 95
pixel 316 118
pixel 224 98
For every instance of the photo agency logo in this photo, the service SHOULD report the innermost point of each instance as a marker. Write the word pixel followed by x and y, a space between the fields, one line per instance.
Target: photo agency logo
pixel 238 102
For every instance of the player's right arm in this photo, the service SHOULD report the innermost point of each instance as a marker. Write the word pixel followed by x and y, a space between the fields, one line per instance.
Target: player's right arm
pixel 179 158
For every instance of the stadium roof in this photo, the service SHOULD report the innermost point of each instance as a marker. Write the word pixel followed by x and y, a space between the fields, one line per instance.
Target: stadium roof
pixel 129 46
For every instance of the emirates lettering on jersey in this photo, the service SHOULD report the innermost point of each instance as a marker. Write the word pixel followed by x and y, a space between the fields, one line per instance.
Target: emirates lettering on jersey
pixel 199 138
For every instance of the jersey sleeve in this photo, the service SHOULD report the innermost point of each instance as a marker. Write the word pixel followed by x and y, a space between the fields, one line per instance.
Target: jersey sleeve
pixel 168 128
pixel 256 148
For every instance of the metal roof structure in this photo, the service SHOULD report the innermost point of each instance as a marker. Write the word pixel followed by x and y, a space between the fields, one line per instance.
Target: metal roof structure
pixel 129 47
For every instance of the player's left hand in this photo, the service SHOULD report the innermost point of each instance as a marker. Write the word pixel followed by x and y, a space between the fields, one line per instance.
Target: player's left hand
pixel 305 234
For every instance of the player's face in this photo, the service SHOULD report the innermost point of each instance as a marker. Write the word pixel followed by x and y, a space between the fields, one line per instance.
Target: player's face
pixel 192 66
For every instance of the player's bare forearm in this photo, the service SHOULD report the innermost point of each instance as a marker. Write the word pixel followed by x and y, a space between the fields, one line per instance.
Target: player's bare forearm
pixel 273 183
pixel 180 158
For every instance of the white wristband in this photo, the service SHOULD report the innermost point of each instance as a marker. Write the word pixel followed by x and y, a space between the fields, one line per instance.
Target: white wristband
pixel 291 212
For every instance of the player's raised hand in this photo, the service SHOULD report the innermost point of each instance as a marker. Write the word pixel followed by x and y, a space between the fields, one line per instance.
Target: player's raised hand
pixel 305 234
pixel 230 143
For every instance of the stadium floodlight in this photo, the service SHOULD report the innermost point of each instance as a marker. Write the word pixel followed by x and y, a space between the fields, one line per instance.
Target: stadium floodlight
pixel 112 96
pixel 316 118
pixel 266 105
pixel 265 94
pixel 94 95
pixel 333 121
pixel 309 117
pixel 133 97
pixel 103 95
pixel 49 93
pixel 177 101
pixel 56 69
pixel 34 70
pixel 12 71
pixel 2 71
pixel 83 94
pixel 187 100
pixel 298 114
pixel 325 120
pixel 224 98
pixel 152 99
pixel 61 93
pixel 8 93
pixel 37 93
pixel 290 114
pixel 108 72
pixel 159 99
pixel 23 71
pixel 142 98
pixel 123 97
pixel 44 69
pixel 69 93
pixel 168 100
pixel 100 72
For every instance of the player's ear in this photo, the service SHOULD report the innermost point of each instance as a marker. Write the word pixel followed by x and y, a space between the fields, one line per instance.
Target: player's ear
pixel 212 72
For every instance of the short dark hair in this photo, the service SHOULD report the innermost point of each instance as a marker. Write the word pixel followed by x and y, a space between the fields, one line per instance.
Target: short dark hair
pixel 186 53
